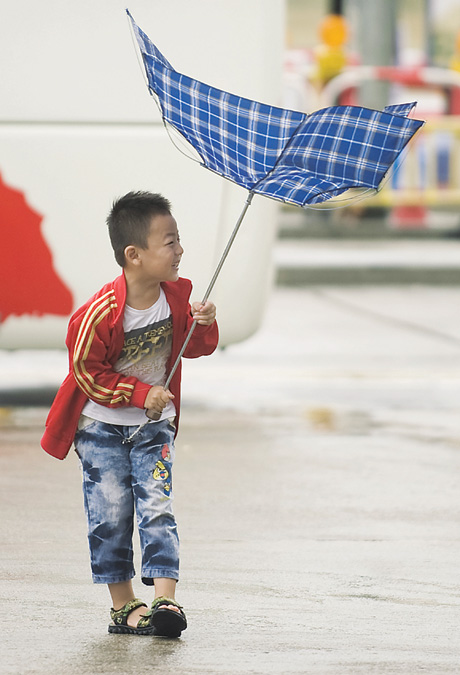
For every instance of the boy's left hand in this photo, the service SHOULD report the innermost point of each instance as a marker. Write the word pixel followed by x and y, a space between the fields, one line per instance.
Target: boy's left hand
pixel 205 314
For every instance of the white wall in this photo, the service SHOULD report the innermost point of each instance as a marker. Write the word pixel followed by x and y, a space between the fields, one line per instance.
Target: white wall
pixel 78 128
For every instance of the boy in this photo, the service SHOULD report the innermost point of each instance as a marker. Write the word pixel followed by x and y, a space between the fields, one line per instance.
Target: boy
pixel 121 344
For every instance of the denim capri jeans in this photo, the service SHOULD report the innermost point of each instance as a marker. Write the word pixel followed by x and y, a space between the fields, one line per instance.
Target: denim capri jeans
pixel 120 479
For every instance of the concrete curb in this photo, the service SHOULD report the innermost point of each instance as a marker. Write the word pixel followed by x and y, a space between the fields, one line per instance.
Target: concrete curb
pixel 352 275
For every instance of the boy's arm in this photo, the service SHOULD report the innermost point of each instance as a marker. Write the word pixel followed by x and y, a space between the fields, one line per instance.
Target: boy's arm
pixel 88 344
pixel 205 337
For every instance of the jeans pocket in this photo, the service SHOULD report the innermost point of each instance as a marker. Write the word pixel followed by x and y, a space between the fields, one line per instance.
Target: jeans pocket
pixel 84 424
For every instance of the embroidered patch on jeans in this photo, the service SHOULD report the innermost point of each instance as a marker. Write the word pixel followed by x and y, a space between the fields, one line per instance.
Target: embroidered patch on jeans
pixel 162 473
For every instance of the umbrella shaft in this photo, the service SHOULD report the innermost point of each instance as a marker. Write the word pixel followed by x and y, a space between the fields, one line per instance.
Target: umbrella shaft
pixel 211 285
pixel 228 247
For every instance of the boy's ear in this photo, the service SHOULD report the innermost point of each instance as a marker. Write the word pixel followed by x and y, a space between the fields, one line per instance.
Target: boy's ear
pixel 131 255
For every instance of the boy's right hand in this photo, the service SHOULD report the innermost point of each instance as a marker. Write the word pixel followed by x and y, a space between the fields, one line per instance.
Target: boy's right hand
pixel 157 399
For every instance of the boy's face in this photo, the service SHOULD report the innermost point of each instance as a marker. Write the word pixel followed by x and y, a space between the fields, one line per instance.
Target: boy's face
pixel 160 260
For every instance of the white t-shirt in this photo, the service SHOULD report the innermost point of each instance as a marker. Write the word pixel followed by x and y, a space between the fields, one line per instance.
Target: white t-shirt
pixel 145 353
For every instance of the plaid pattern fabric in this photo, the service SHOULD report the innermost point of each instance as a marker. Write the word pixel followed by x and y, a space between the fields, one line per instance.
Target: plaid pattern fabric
pixel 336 149
pixel 400 109
pixel 146 46
pixel 284 154
pixel 238 138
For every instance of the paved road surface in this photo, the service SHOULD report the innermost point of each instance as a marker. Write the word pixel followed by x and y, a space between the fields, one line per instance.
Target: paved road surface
pixel 317 493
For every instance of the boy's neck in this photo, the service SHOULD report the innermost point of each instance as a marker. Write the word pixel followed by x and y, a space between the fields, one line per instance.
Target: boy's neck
pixel 140 295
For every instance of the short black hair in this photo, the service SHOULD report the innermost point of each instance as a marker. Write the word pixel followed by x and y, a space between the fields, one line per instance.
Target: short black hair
pixel 130 218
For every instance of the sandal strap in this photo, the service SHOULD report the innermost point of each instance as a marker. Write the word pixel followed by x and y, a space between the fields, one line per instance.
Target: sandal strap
pixel 163 600
pixel 120 616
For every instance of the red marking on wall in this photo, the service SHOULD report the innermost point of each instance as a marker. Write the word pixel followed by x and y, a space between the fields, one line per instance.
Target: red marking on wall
pixel 29 283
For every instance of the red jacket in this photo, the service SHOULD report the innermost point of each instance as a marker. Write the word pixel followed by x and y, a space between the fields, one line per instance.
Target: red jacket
pixel 95 339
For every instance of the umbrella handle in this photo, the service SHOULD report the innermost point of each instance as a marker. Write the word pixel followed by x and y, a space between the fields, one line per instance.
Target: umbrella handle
pixel 152 414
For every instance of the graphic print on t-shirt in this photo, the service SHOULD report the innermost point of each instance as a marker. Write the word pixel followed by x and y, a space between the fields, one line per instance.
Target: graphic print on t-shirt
pixel 146 350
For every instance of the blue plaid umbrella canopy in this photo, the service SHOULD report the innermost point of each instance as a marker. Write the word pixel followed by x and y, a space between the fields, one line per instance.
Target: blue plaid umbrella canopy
pixel 298 158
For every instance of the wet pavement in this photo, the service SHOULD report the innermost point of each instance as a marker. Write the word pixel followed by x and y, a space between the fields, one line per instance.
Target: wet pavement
pixel 317 494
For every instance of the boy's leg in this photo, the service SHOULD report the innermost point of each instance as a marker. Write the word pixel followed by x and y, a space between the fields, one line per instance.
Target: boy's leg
pixel 152 457
pixel 166 588
pixel 108 501
pixel 121 594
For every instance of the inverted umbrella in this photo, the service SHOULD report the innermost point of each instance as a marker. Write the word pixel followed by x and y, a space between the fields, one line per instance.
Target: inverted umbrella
pixel 295 157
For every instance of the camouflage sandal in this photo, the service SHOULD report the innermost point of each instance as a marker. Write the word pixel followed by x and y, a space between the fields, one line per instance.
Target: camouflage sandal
pixel 167 622
pixel 120 620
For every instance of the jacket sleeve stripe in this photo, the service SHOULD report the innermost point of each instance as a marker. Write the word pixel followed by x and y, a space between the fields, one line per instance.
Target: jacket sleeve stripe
pixel 96 312
pixel 98 305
